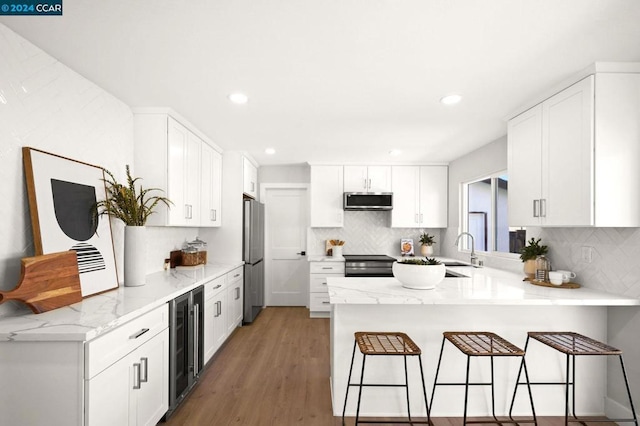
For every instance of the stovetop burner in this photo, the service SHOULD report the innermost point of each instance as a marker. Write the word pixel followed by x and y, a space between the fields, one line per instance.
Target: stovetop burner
pixel 368 257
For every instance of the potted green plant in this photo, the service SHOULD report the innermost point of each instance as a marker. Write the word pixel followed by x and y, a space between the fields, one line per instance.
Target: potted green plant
pixel 419 274
pixel 529 253
pixel 427 241
pixel 132 206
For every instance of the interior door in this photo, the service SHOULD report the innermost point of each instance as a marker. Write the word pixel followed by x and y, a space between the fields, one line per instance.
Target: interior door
pixel 287 269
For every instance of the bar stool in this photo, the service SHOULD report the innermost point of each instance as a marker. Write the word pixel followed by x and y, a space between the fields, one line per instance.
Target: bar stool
pixel 572 345
pixel 482 344
pixel 388 344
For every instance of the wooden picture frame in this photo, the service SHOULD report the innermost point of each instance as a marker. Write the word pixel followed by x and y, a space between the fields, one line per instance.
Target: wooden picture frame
pixel 62 195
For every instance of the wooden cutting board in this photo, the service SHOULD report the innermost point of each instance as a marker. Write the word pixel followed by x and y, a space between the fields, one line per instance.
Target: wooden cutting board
pixel 47 282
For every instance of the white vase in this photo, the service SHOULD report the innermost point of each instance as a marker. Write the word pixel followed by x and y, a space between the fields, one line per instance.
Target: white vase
pixel 336 251
pixel 426 250
pixel 135 255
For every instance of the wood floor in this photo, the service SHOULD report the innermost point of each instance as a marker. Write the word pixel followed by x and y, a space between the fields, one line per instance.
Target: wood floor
pixel 274 372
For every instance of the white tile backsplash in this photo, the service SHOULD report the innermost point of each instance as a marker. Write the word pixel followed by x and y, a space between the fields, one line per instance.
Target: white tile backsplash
pixel 367 232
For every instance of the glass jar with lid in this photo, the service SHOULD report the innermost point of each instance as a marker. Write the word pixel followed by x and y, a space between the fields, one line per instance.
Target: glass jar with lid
pixel 543 266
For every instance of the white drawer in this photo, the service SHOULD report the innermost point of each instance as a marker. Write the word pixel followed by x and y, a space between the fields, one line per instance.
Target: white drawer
pixel 235 275
pixel 103 351
pixel 326 268
pixel 319 302
pixel 318 284
pixel 215 286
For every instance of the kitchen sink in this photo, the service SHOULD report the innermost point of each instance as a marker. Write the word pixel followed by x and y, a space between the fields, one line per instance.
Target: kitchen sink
pixel 454 263
pixel 451 274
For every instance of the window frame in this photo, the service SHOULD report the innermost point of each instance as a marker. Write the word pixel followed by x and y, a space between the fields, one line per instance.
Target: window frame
pixel 465 245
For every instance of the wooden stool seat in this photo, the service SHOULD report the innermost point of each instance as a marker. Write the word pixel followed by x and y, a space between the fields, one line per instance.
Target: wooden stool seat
pixel 394 343
pixel 482 344
pixel 373 343
pixel 574 344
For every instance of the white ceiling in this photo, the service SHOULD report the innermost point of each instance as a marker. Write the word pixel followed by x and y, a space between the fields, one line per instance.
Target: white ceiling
pixel 339 81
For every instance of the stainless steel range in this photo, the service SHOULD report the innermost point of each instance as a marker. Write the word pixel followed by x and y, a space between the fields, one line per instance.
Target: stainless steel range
pixel 368 265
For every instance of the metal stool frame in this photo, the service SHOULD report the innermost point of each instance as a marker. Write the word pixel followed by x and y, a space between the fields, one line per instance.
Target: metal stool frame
pixel 476 344
pixel 408 348
pixel 572 345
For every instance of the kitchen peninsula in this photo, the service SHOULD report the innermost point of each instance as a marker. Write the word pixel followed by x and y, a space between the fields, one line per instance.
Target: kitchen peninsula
pixel 485 299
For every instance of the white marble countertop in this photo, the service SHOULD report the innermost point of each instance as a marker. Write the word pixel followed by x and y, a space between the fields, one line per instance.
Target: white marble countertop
pixel 484 286
pixel 95 315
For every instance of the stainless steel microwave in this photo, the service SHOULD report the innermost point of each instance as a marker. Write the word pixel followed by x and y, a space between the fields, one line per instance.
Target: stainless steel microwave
pixel 368 201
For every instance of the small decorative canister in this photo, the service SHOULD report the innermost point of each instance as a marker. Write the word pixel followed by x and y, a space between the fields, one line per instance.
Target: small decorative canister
pixel 543 266
pixel 194 253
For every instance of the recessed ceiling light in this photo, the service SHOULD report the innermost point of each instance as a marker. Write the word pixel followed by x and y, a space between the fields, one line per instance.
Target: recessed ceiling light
pixel 395 152
pixel 238 98
pixel 450 99
pixel 270 151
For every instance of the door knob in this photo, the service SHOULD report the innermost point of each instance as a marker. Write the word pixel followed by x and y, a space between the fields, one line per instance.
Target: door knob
pixel 302 253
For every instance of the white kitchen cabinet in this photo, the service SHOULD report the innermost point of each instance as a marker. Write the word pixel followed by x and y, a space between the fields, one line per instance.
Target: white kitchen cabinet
pixel 235 287
pixel 168 156
pixel 419 196
pixel 367 178
pixel 215 327
pixel 211 198
pixel 327 196
pixel 573 158
pixel 250 178
pixel 138 381
pixel 128 372
pixel 319 271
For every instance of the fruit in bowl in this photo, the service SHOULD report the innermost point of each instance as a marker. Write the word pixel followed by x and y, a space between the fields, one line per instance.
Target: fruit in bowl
pixel 419 274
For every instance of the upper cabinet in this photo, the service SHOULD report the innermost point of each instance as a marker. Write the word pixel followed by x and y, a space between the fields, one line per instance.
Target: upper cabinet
pixel 326 196
pixel 573 158
pixel 211 198
pixel 367 178
pixel 419 196
pixel 250 178
pixel 172 156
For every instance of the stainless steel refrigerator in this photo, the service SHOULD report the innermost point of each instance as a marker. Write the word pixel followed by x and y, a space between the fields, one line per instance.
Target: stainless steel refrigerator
pixel 253 256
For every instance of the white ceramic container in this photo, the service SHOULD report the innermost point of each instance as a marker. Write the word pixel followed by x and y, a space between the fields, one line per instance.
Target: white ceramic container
pixel 419 277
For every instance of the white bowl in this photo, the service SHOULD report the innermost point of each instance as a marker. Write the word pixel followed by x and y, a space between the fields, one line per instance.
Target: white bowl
pixel 419 277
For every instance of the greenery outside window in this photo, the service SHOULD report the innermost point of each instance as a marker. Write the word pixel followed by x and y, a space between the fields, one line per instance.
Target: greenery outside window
pixel 484 210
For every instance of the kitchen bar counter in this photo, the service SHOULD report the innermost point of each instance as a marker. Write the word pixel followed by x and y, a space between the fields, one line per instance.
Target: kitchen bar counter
pixel 101 313
pixel 489 300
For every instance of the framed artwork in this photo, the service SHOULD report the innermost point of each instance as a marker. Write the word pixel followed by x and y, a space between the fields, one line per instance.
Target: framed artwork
pixel 406 246
pixel 62 196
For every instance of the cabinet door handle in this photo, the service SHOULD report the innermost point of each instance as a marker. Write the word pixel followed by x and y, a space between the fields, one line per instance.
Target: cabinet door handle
pixel 196 337
pixel 139 333
pixel 536 208
pixel 543 207
pixel 237 293
pixel 212 215
pixel 253 186
pixel 144 367
pixel 136 375
pixel 219 307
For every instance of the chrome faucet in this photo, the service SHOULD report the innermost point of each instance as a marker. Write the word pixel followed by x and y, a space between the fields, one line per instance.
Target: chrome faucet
pixel 474 258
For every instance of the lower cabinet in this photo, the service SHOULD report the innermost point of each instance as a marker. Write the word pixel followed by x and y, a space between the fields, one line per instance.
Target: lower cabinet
pixel 138 381
pixel 128 373
pixel 215 308
pixel 318 292
pixel 235 292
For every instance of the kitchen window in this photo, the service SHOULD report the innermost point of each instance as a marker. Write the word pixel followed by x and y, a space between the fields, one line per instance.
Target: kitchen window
pixel 484 211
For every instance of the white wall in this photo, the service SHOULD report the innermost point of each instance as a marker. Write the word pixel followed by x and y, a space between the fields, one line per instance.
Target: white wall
pixel 46 105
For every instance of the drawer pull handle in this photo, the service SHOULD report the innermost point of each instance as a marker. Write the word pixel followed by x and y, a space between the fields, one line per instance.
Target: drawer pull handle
pixel 217 287
pixel 139 333
pixel 324 283
pixel 327 267
pixel 325 303
pixel 236 275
